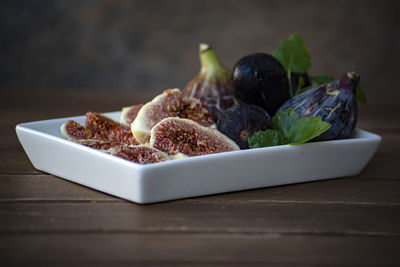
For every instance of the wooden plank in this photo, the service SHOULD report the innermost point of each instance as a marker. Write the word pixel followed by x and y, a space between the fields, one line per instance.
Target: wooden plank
pixel 390 144
pixel 379 115
pixel 35 188
pixel 381 167
pixel 43 187
pixel 16 162
pixel 191 216
pixel 185 249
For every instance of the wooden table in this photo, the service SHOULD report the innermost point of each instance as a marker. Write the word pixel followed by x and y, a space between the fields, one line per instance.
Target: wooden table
pixel 45 220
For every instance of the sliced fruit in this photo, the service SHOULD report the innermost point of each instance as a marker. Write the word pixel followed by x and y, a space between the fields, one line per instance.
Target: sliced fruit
pixel 177 135
pixel 72 130
pixel 104 128
pixel 196 110
pixel 128 114
pixel 168 104
pixel 102 145
pixel 139 154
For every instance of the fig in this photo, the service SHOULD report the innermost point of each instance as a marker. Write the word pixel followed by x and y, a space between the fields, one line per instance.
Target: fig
pixel 240 121
pixel 169 104
pixel 98 127
pixel 128 114
pixel 334 102
pixel 196 110
pixel 259 79
pixel 139 154
pixel 178 135
pixel 73 131
pixel 212 84
pixel 104 128
pixel 102 145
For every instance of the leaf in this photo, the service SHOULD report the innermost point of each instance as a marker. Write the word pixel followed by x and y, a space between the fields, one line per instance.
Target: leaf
pixel 284 119
pixel 322 79
pixel 267 138
pixel 305 129
pixel 289 129
pixel 293 54
pixel 360 95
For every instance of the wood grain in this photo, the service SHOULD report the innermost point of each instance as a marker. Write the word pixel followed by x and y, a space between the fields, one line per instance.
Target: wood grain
pixel 350 190
pixel 205 248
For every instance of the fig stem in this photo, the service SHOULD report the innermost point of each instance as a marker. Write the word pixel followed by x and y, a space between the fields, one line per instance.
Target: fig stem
pixel 209 60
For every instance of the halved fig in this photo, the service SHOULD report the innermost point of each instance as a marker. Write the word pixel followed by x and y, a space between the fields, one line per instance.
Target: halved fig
pixel 177 135
pixel 73 131
pixel 128 114
pixel 168 104
pixel 104 128
pixel 197 110
pixel 102 145
pixel 139 154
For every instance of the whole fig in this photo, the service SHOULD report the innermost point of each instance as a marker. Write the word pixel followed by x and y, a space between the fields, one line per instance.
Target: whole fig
pixel 240 121
pixel 212 84
pixel 334 102
pixel 259 79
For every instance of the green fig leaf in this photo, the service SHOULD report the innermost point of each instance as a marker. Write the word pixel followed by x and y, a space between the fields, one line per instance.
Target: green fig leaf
pixel 267 138
pixel 293 54
pixel 289 129
pixel 305 129
pixel 284 119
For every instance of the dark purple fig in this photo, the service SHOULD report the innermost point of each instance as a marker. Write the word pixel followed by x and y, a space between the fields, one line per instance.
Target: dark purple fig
pixel 335 103
pixel 259 79
pixel 212 84
pixel 299 81
pixel 241 121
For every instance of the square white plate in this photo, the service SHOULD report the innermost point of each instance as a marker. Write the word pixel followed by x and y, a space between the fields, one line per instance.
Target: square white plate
pixel 195 176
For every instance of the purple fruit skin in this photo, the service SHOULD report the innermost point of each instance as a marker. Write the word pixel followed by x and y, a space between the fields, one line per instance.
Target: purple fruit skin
pixel 335 103
pixel 243 118
pixel 259 79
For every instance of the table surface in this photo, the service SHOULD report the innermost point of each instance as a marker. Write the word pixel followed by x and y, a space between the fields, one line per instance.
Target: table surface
pixel 48 221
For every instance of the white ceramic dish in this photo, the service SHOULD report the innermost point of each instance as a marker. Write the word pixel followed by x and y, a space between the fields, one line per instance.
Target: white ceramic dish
pixel 195 176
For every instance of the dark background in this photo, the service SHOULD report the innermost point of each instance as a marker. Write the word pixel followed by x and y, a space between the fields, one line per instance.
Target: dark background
pixel 152 45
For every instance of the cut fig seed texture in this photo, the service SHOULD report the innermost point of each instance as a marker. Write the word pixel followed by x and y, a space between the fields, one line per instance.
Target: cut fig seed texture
pixel 106 135
pixel 129 114
pixel 177 135
pixel 168 104
pixel 104 128
pixel 139 154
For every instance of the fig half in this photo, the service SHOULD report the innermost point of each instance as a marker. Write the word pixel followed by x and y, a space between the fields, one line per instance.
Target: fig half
pixel 177 135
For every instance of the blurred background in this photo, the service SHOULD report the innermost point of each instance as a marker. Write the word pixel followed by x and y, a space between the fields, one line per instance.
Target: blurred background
pixel 148 46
